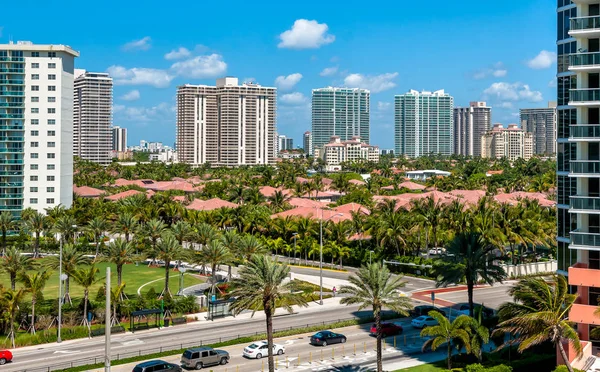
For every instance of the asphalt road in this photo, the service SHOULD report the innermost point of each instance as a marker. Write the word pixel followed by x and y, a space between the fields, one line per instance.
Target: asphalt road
pixel 490 296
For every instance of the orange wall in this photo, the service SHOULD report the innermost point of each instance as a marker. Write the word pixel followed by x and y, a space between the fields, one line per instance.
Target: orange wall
pixel 584 277
pixel 584 314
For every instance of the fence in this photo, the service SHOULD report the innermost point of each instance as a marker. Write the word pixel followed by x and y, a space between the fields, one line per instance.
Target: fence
pixel 530 268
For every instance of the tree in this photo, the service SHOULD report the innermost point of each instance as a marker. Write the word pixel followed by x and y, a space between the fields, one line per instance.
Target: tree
pixel 36 223
pixel 373 286
pixel 214 254
pixel 96 227
pixel 469 258
pixel 182 231
pixel 119 252
pixel 65 225
pixel 168 250
pixel 153 229
pixel 7 223
pixel 480 334
pixel 539 313
pixel 34 283
pixel 278 201
pixel 249 245
pixel 11 300
pixel 71 260
pixel 86 277
pixel 125 224
pixel 447 333
pixel 13 262
pixel 261 286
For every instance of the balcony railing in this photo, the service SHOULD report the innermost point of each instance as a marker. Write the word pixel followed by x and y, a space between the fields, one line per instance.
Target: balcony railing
pixel 12 104
pixel 11 116
pixel 11 94
pixel 585 167
pixel 11 161
pixel 585 203
pixel 12 70
pixel 584 95
pixel 12 59
pixel 585 23
pixel 11 82
pixel 585 131
pixel 585 239
pixel 11 184
pixel 584 59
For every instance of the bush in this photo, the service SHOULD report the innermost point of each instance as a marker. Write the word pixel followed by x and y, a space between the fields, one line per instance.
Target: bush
pixel 563 368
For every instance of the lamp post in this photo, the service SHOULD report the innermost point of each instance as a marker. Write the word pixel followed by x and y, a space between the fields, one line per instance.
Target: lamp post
pixel 370 257
pixel 294 235
pixel 182 271
pixel 321 254
pixel 60 280
pixel 74 235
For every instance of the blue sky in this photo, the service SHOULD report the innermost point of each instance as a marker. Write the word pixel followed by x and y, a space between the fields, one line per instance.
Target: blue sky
pixel 501 51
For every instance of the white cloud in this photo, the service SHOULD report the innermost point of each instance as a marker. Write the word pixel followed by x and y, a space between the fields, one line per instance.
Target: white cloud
pixel 384 106
pixel 288 82
pixel 295 98
pixel 497 70
pixel 178 54
pixel 141 44
pixel 306 34
pixel 506 105
pixel 140 76
pixel 376 83
pixel 141 114
pixel 552 83
pixel 329 71
pixel 131 96
pixel 201 67
pixel 512 92
pixel 544 59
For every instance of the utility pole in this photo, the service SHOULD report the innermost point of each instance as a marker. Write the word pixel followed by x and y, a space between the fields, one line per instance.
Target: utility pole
pixel 107 324
pixel 60 299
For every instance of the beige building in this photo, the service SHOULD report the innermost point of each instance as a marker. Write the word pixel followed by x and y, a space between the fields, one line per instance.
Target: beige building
pixel 512 143
pixel 337 151
pixel 227 124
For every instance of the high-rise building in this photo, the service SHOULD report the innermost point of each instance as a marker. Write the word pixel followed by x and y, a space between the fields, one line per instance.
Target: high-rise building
pixel 542 123
pixel 284 143
pixel 423 123
pixel 511 143
pixel 342 112
pixel 470 123
pixel 307 143
pixel 119 139
pixel 227 124
pixel 92 116
pixel 36 121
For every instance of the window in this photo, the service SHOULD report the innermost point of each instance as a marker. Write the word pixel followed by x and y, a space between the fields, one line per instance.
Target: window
pixel 35 110
pixel 33 178
pixel 35 65
pixel 34 155
pixel 50 201
pixel 51 155
pixel 51 99
pixel 51 65
pixel 35 144
pixel 51 88
pixel 33 189
pixel 51 121
pixel 52 111
pixel 35 54
pixel 35 121
pixel 51 144
pixel 35 133
pixel 51 54
pixel 35 88
pixel 51 133
pixel 50 166
pixel 51 77
pixel 49 178
pixel 33 166
pixel 35 77
pixel 35 99
pixel 49 189
pixel 33 201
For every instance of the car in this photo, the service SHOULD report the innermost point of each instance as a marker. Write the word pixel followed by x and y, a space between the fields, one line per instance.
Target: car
pixel 324 338
pixel 257 350
pixel 157 365
pixel 5 356
pixel 463 308
pixel 201 357
pixel 424 310
pixel 423 321
pixel 436 251
pixel 387 329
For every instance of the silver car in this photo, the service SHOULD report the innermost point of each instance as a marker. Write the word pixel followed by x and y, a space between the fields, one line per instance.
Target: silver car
pixel 201 357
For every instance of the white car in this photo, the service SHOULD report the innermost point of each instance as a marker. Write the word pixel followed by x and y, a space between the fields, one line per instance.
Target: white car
pixel 423 321
pixel 260 349
pixel 436 251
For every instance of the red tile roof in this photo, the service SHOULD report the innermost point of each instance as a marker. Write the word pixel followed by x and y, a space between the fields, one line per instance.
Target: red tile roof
pixel 357 182
pixel 122 195
pixel 314 213
pixel 268 191
pixel 411 186
pixel 87 192
pixel 352 207
pixel 178 198
pixel 211 204
pixel 514 197
pixel 301 202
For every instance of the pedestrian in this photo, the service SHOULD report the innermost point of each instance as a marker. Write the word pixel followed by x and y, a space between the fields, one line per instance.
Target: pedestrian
pixel 334 290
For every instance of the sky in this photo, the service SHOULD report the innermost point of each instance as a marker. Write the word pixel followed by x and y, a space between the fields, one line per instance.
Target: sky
pixel 499 51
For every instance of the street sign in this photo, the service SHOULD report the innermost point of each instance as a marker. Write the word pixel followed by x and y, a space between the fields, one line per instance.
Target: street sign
pixel 432 296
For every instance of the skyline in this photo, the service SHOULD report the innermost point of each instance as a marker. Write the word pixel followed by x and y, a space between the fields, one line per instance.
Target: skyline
pixel 413 46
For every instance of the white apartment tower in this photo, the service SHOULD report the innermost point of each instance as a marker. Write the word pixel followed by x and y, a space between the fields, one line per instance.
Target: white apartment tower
pixel 542 123
pixel 92 116
pixel 307 143
pixel 511 143
pixel 36 126
pixel 227 124
pixel 470 123
pixel 119 139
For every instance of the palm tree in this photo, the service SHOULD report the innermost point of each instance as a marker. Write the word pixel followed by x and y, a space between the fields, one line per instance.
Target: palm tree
pixel 11 300
pixel 278 201
pixel 37 223
pixel 373 286
pixel 7 223
pixel 65 225
pixel 469 258
pixel 96 227
pixel 539 313
pixel 168 250
pixel 480 334
pixel 86 277
pixel 71 260
pixel 231 241
pixel 214 253
pixel 153 229
pixel 13 262
pixel 260 286
pixel 182 231
pixel 446 333
pixel 34 283
pixel 119 252
pixel 205 233
pixel 249 245
pixel 126 224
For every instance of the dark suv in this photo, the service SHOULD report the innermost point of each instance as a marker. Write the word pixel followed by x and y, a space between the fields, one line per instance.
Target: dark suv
pixel 157 366
pixel 424 310
pixel 201 357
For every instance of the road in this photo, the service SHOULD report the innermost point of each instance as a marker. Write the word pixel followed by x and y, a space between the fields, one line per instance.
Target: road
pixel 490 296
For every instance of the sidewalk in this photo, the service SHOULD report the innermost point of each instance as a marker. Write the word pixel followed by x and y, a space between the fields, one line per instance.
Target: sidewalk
pixel 328 283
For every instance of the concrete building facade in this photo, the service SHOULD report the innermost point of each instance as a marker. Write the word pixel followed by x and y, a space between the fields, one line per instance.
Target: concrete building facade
pixel 307 143
pixel 119 139
pixel 511 143
pixel 337 152
pixel 470 124
pixel 541 122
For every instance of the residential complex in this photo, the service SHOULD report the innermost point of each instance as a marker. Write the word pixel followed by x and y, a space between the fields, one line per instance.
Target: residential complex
pixel 541 122
pixel 307 143
pixel 470 124
pixel 342 112
pixel 92 116
pixel 511 143
pixel 119 139
pixel 36 121
pixel 284 143
pixel 423 123
pixel 227 124
pixel 337 151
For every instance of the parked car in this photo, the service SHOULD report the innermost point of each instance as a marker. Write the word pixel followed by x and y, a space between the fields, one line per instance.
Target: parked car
pixel 424 310
pixel 201 357
pixel 423 321
pixel 157 365
pixel 436 251
pixel 324 338
pixel 260 349
pixel 463 308
pixel 5 356
pixel 387 329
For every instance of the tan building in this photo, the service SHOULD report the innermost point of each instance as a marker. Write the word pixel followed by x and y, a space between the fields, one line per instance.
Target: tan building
pixel 227 124
pixel 337 151
pixel 512 143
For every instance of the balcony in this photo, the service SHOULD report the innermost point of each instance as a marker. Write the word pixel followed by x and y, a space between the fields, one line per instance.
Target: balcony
pixel 580 275
pixel 585 168
pixel 12 116
pixel 11 94
pixel 11 196
pixel 12 104
pixel 583 314
pixel 12 59
pixel 12 70
pixel 585 240
pixel 11 184
pixel 12 82
pixel 584 62
pixel 584 204
pixel 588 27
pixel 582 132
pixel 584 97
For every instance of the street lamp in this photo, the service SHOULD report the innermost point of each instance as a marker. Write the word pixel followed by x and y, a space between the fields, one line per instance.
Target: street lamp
pixel 321 254
pixel 182 271
pixel 74 235
pixel 60 281
pixel 370 257
pixel 294 235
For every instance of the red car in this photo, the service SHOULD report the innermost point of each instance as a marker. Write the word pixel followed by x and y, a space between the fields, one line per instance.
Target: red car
pixel 387 329
pixel 5 356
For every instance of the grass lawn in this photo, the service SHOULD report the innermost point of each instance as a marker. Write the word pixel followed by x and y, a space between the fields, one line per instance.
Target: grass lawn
pixel 133 277
pixel 435 367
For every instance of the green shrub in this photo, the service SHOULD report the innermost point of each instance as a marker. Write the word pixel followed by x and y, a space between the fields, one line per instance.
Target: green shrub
pixel 563 368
